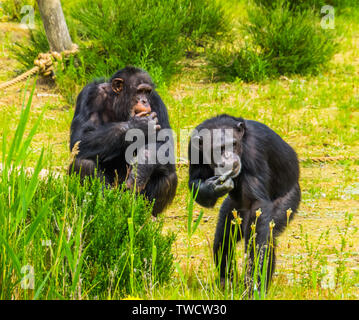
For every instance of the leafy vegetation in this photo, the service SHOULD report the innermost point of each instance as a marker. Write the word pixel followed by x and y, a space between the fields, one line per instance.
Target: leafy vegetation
pixel 280 41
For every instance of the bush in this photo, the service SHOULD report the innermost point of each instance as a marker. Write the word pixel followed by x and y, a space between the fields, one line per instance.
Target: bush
pixel 113 245
pixel 281 42
pixel 151 34
pixel 107 241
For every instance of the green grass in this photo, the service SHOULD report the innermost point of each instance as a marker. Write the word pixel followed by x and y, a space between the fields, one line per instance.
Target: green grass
pixel 317 115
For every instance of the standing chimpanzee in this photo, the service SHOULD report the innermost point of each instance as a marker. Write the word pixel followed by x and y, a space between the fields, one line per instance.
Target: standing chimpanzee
pixel 260 171
pixel 106 111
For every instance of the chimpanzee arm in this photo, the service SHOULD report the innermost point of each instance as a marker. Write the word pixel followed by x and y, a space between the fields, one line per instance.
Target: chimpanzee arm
pixel 96 137
pixel 105 141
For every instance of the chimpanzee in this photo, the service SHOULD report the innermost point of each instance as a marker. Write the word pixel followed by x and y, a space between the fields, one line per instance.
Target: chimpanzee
pixel 106 112
pixel 260 171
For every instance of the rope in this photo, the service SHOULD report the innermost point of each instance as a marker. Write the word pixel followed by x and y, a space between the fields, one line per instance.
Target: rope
pixel 45 64
pixel 22 77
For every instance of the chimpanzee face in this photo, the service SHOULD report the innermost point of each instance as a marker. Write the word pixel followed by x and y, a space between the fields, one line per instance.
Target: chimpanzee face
pixel 134 90
pixel 221 149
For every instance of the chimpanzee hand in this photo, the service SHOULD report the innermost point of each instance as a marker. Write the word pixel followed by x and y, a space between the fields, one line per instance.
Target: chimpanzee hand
pixel 144 121
pixel 221 185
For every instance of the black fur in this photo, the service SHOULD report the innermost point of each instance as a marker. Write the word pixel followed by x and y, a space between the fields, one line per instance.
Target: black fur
pixel 268 180
pixel 101 120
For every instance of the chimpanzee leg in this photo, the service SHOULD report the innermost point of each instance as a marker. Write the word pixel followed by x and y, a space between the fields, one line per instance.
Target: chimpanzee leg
pixel 83 167
pixel 86 167
pixel 280 206
pixel 223 246
pixel 162 189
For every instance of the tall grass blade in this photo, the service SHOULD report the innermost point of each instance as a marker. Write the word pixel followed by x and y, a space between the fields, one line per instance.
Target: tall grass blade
pixel 12 254
pixel 34 225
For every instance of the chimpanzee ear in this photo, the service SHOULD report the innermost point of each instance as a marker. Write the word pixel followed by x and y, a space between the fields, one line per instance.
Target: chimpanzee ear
pixel 117 85
pixel 241 128
pixel 197 142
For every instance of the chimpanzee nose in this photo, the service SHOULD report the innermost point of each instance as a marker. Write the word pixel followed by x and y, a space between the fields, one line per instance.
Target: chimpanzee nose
pixel 144 102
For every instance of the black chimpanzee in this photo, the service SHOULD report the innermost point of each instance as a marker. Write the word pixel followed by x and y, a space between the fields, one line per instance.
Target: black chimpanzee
pixel 260 171
pixel 106 111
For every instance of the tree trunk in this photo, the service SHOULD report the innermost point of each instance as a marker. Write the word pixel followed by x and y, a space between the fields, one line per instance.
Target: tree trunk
pixel 55 25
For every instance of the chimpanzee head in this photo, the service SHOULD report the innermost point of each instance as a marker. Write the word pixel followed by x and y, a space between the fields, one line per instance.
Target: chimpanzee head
pixel 132 88
pixel 218 142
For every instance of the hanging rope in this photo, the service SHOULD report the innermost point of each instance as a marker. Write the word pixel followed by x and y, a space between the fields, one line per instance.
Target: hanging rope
pixel 45 64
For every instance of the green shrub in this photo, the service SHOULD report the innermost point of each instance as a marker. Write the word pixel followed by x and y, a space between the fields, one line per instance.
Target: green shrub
pixel 107 245
pixel 280 42
pixel 109 255
pixel 151 34
pixel 292 42
pixel 202 18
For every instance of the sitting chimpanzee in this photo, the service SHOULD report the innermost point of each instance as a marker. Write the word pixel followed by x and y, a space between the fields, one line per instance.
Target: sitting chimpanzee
pixel 106 111
pixel 259 171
